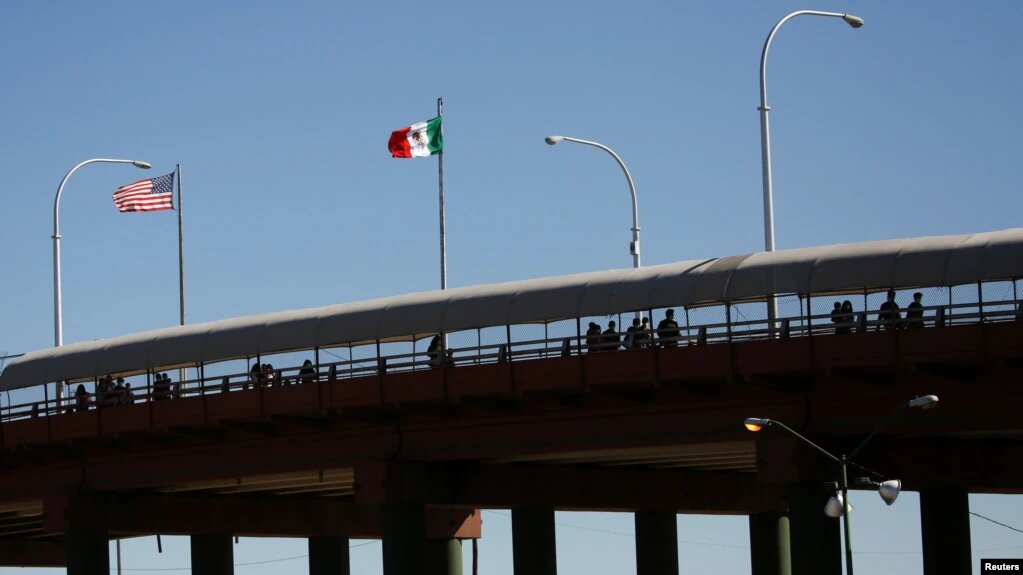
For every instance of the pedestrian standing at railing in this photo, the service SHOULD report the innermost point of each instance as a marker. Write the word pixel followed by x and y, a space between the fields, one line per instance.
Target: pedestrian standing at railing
pixel 915 312
pixel 631 341
pixel 888 315
pixel 610 340
pixel 434 351
pixel 845 318
pixel 308 373
pixel 593 338
pixel 837 318
pixel 81 398
pixel 667 330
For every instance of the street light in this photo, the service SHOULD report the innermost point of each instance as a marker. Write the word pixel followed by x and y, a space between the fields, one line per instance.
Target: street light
pixel 765 136
pixel 634 246
pixel 838 505
pixel 58 331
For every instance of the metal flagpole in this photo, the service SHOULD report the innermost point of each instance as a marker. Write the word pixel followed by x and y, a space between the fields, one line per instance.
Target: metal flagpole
pixel 181 263
pixel 440 181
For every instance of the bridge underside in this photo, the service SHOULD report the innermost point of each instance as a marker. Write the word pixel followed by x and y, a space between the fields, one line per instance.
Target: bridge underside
pixel 653 430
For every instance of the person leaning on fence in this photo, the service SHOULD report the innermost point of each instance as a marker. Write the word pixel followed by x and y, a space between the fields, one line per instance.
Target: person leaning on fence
pixel 888 315
pixel 631 341
pixel 667 330
pixel 593 338
pixel 837 318
pixel 81 398
pixel 308 373
pixel 641 338
pixel 434 352
pixel 610 340
pixel 915 312
pixel 845 316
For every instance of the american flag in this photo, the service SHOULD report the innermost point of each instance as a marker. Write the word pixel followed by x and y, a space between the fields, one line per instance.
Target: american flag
pixel 150 195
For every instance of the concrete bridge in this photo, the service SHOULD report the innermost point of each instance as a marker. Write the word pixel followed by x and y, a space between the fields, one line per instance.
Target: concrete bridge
pixel 383 436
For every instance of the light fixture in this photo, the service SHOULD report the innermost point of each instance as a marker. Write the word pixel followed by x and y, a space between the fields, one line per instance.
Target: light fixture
pixel 854 21
pixel 889 490
pixel 924 402
pixel 551 140
pixel 141 164
pixel 756 423
pixel 835 507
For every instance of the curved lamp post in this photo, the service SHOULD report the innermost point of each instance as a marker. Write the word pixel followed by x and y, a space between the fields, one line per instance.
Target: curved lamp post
pixel 838 505
pixel 634 246
pixel 58 327
pixel 765 135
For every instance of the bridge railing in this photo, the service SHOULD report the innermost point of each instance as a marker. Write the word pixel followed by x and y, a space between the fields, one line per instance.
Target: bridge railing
pixel 569 339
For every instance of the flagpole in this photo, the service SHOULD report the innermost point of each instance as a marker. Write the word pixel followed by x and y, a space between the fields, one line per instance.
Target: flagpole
pixel 181 262
pixel 440 181
pixel 181 252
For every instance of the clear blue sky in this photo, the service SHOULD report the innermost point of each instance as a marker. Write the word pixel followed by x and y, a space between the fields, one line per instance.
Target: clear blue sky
pixel 279 114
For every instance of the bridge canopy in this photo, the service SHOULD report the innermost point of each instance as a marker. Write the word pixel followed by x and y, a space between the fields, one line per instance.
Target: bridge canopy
pixel 939 261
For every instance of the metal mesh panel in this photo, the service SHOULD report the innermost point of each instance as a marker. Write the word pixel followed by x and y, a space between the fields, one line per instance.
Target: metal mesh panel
pixel 999 304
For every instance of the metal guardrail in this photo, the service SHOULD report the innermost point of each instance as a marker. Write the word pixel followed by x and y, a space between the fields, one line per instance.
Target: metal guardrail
pixel 159 389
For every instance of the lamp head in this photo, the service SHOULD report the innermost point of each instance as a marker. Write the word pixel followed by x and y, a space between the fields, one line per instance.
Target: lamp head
pixel 551 140
pixel 141 164
pixel 924 402
pixel 835 506
pixel 756 423
pixel 854 21
pixel 889 490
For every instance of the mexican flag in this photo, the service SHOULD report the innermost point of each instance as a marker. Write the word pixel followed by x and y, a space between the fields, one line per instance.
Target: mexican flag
pixel 422 139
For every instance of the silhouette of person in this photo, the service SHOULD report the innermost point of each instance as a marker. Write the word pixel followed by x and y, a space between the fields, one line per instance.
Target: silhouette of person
pixel 610 339
pixel 888 315
pixel 631 340
pixel 433 351
pixel 667 330
pixel 641 338
pixel 81 398
pixel 593 338
pixel 308 373
pixel 915 312
pixel 847 318
pixel 837 318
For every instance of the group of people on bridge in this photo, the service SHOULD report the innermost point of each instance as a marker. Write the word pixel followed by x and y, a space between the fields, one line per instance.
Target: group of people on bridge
pixel 638 336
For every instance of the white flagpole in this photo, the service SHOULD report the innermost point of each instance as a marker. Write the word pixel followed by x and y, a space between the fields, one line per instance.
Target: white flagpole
pixel 181 264
pixel 181 253
pixel 440 180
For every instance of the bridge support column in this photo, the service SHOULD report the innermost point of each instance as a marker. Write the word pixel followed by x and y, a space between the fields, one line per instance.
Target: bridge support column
pixel 656 543
pixel 945 531
pixel 212 555
pixel 815 537
pixel 88 552
pixel 770 549
pixel 328 556
pixel 404 538
pixel 533 543
pixel 443 557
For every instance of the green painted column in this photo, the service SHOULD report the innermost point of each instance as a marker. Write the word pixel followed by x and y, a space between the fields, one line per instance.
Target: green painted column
pixel 212 554
pixel 656 543
pixel 945 531
pixel 443 557
pixel 815 538
pixel 533 543
pixel 404 538
pixel 87 552
pixel 769 543
pixel 328 556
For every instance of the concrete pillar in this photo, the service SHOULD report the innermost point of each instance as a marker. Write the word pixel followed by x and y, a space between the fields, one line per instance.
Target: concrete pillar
pixel 656 543
pixel 87 552
pixel 404 538
pixel 815 537
pixel 328 556
pixel 945 531
pixel 533 542
pixel 212 555
pixel 770 549
pixel 443 557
